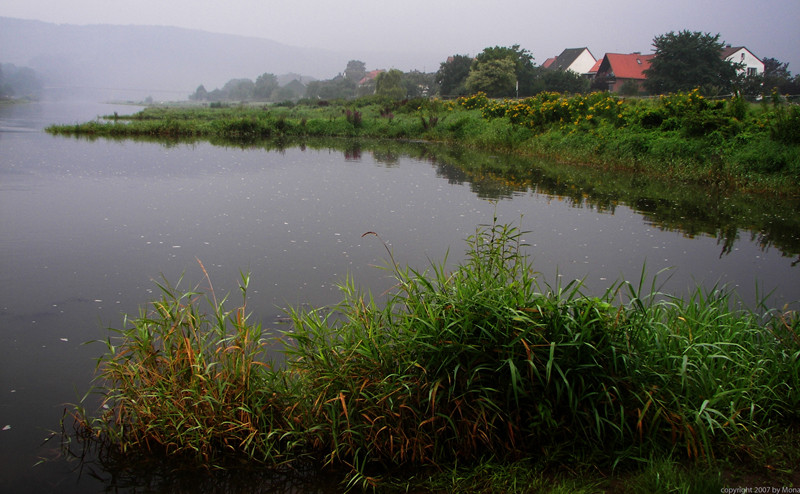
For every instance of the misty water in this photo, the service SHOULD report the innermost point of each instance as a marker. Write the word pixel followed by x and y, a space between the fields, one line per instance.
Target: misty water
pixel 86 226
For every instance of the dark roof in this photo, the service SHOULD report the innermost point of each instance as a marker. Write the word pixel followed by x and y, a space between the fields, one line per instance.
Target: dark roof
pixel 730 50
pixel 563 61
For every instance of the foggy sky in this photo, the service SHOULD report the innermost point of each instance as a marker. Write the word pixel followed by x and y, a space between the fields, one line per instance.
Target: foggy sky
pixel 769 28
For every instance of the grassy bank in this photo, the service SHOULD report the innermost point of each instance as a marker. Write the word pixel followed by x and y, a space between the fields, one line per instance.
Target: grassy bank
pixel 483 367
pixel 683 137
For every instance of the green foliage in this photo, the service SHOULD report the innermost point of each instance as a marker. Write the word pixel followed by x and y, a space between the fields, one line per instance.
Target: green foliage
pixel 524 71
pixel 687 60
pixel 338 88
pixel 495 77
pixel 629 88
pixel 481 361
pixel 684 136
pixel 452 76
pixel 785 124
pixel 563 81
pixel 355 71
pixel 390 85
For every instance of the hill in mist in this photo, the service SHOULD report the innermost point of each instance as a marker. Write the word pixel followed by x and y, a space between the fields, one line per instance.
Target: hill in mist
pixel 166 61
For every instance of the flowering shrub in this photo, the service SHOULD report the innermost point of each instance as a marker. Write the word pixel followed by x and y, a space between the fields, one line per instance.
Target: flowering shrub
pixel 544 109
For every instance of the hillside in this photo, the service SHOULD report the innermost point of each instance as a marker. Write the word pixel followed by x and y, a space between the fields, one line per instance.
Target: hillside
pixel 167 61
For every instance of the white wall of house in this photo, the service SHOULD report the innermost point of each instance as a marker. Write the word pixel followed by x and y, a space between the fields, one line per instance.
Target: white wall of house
pixel 752 65
pixel 583 63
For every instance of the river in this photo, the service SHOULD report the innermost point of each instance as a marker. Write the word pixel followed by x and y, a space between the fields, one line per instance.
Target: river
pixel 86 226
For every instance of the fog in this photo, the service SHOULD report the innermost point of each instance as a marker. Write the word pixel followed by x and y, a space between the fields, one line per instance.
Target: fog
pixel 133 62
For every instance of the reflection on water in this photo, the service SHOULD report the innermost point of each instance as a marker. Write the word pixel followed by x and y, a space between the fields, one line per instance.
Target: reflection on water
pixel 86 225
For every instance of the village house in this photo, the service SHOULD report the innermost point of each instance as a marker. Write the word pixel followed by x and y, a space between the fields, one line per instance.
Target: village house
pixel 578 60
pixel 751 64
pixel 616 69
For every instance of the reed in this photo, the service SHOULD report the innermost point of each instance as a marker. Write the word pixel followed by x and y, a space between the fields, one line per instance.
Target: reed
pixel 453 367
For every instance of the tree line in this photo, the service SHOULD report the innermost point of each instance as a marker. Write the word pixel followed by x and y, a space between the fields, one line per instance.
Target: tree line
pixel 19 82
pixel 682 61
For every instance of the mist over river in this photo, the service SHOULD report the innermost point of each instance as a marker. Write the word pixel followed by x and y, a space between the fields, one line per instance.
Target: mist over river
pixel 86 226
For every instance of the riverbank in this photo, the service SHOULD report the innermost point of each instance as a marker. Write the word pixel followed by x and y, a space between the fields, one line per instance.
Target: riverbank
pixel 684 137
pixel 481 372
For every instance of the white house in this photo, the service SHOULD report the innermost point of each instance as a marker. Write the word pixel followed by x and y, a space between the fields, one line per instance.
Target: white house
pixel 578 60
pixel 739 54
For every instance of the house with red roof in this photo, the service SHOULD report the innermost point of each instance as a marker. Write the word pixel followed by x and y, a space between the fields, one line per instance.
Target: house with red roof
pixel 370 76
pixel 616 69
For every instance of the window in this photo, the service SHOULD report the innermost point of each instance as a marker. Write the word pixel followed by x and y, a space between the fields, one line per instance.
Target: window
pixel 752 71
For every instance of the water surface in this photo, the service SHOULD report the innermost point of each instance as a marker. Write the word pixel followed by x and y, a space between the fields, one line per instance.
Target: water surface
pixel 86 226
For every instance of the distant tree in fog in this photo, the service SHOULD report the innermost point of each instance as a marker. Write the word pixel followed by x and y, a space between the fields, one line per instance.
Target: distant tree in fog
pixel 337 88
pixel 355 71
pixel 19 82
pixel 265 85
pixel 239 89
pixel 200 94
pixel 390 85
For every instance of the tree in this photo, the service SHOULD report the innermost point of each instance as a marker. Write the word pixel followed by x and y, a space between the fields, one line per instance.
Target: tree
pixel 21 82
pixel 390 85
pixel 777 76
pixel 291 91
pixel 563 81
pixel 200 94
pixel 265 85
pixel 355 71
pixel 452 75
pixel 494 77
pixel 418 84
pixel 524 71
pixel 336 88
pixel 687 60
pixel 238 89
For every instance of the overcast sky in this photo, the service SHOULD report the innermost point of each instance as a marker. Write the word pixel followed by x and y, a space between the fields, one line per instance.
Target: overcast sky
pixel 769 28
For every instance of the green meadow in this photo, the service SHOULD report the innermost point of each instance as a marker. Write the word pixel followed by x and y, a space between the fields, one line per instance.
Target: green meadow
pixel 727 143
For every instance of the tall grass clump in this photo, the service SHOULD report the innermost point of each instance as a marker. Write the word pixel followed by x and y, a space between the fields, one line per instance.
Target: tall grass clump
pixel 191 383
pixel 454 367
pixel 484 360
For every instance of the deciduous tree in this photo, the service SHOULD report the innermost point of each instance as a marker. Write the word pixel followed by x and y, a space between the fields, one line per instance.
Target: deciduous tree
pixel 495 77
pixel 524 71
pixel 452 75
pixel 355 71
pixel 265 84
pixel 687 60
pixel 390 85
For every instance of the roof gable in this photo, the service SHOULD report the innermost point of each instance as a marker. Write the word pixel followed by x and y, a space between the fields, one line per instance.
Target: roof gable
pixel 727 52
pixel 565 59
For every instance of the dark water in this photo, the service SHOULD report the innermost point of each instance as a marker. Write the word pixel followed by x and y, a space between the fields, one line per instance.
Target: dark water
pixel 86 226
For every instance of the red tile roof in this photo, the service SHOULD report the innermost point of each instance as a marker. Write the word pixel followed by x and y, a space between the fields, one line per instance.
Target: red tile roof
pixel 370 76
pixel 547 63
pixel 628 66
